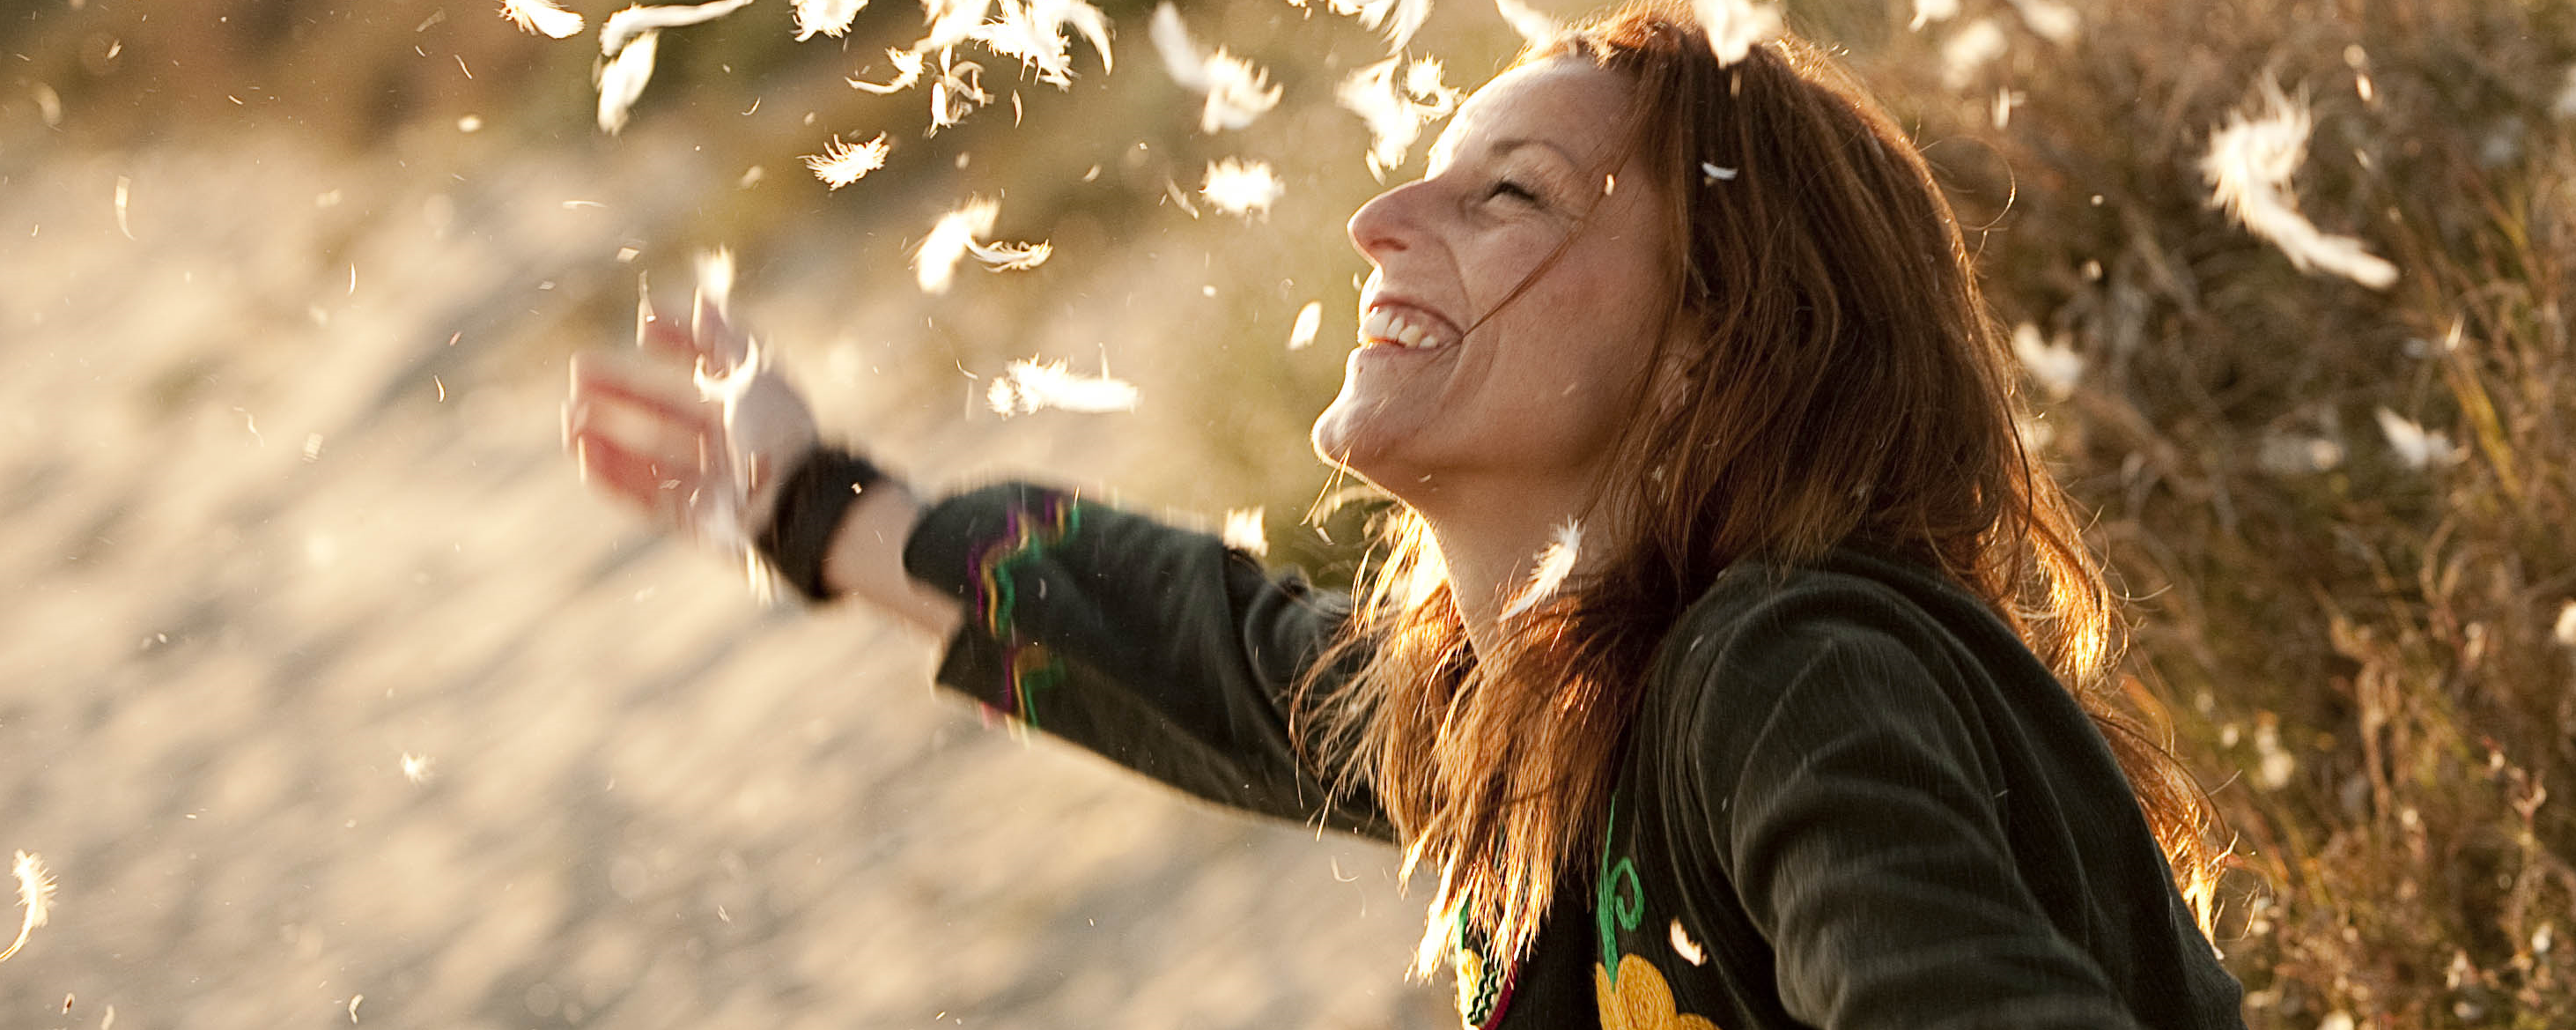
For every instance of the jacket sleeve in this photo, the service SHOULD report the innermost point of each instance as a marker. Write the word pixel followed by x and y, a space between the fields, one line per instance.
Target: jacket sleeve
pixel 1852 805
pixel 1160 649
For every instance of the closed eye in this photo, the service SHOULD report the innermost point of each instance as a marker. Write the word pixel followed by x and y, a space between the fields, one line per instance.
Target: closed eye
pixel 1506 188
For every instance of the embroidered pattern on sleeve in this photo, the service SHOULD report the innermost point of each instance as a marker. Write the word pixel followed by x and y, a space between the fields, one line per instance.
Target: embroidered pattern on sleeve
pixel 1028 532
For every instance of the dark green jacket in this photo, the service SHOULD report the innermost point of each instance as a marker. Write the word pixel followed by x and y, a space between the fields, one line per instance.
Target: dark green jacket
pixel 1852 798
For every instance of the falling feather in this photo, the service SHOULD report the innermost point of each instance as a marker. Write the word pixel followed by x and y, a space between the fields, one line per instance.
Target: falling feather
pixel 2416 447
pixel 2249 165
pixel 35 894
pixel 841 164
pixel 829 17
pixel 418 768
pixel 622 81
pixel 1399 19
pixel 1395 110
pixel 1010 257
pixel 1243 532
pixel 1034 32
pixel 1533 25
pixel 1711 171
pixel 1309 319
pixel 2053 364
pixel 542 16
pixel 1554 564
pixel 1684 946
pixel 1236 91
pixel 2565 105
pixel 2565 631
pixel 627 27
pixel 1928 11
pixel 1735 27
pixel 907 70
pixel 1242 188
pixel 1969 50
pixel 934 263
pixel 1027 385
pixel 2053 21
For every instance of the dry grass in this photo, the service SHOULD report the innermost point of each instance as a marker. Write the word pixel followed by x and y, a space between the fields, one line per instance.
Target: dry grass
pixel 2360 653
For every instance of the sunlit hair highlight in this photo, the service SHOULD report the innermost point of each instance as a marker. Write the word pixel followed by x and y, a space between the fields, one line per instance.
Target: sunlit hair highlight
pixel 1835 380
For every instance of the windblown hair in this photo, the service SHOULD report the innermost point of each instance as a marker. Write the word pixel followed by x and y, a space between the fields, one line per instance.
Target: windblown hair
pixel 1843 385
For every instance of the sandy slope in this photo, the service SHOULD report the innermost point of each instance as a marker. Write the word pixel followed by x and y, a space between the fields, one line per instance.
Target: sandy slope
pixel 269 531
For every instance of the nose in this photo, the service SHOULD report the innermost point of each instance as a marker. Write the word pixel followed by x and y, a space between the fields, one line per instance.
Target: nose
pixel 1385 224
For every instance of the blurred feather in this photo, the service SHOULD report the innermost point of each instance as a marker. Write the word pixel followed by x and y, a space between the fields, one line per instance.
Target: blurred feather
pixel 632 24
pixel 2054 364
pixel 2416 447
pixel 907 70
pixel 2250 162
pixel 542 16
pixel 1395 112
pixel 1244 533
pixel 1027 385
pixel 829 17
pixel 1929 11
pixel 1309 319
pixel 2053 21
pixel 35 894
pixel 934 263
pixel 1533 25
pixel 1241 187
pixel 1554 564
pixel 1034 32
pixel 1236 91
pixel 622 81
pixel 1969 50
pixel 1399 18
pixel 1735 27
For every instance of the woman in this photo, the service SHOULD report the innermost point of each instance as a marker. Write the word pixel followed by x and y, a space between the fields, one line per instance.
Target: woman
pixel 1817 732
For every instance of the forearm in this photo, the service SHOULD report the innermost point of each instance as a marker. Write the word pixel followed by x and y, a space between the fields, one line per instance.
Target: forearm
pixel 865 560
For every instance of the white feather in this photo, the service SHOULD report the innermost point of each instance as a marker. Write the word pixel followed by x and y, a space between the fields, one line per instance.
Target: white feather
pixel 1027 385
pixel 1928 11
pixel 1735 27
pixel 934 263
pixel 1533 25
pixel 2416 447
pixel 1395 99
pixel 1240 188
pixel 1554 564
pixel 841 164
pixel 2250 162
pixel 1309 319
pixel 907 70
pixel 829 17
pixel 632 24
pixel 35 893
pixel 1237 92
pixel 1244 533
pixel 542 16
pixel 622 81
pixel 2053 363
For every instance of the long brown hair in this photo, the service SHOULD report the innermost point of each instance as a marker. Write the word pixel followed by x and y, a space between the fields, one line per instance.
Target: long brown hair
pixel 1841 383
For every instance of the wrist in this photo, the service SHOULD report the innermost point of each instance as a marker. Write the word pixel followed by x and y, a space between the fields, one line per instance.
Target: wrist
pixel 812 501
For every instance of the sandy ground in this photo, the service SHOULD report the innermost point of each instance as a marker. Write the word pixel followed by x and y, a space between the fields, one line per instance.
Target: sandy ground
pixel 284 510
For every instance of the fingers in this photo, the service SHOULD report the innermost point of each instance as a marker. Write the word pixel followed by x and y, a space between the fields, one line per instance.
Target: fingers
pixel 662 388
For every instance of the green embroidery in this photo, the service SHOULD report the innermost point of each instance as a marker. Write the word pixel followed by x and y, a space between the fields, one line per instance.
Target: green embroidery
pixel 1609 905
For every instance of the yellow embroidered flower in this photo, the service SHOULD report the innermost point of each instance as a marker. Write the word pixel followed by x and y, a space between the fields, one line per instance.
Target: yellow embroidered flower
pixel 1642 1001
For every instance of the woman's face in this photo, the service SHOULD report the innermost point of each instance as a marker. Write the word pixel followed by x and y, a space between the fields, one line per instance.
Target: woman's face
pixel 1450 385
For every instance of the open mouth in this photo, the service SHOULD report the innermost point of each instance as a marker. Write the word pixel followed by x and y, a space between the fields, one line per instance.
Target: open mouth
pixel 1404 327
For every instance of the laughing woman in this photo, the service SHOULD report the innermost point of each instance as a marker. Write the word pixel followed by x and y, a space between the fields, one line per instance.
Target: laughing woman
pixel 1818 729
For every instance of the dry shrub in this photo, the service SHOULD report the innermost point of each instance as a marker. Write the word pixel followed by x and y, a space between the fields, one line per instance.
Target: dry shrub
pixel 2364 649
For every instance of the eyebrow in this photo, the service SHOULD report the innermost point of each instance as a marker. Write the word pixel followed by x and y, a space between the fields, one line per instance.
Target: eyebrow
pixel 1505 147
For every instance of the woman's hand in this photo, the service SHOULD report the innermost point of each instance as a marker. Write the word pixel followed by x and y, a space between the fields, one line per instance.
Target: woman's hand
pixel 693 429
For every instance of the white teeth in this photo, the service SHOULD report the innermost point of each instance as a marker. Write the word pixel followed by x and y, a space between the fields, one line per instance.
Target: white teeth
pixel 1385 326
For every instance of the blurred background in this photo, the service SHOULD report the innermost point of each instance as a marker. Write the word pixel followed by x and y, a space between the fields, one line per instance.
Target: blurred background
pixel 327 694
